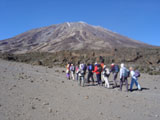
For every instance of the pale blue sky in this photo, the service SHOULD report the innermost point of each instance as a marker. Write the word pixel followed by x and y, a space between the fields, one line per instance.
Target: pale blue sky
pixel 136 19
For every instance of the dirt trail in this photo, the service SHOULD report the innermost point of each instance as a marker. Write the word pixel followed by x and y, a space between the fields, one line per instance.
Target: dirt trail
pixel 39 93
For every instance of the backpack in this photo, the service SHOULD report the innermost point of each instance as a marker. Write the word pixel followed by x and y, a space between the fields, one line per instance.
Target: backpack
pixel 116 68
pixel 84 67
pixel 99 68
pixel 81 73
pixel 106 72
pixel 72 68
pixel 137 74
pixel 67 71
pixel 125 72
pixel 90 68
pixel 112 68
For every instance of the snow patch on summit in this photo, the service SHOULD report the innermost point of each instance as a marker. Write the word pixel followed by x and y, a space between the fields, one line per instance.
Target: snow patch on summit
pixel 68 24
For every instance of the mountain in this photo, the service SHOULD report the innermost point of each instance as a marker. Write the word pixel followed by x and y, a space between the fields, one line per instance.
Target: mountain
pixel 68 36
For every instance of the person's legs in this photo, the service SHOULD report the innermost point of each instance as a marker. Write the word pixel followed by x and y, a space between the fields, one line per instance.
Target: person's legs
pixel 72 74
pixel 82 81
pixel 97 78
pixel 106 82
pixel 79 81
pixel 126 82
pixel 92 78
pixel 100 80
pixel 88 77
pixel 77 76
pixel 132 83
pixel 121 83
pixel 115 79
pixel 137 84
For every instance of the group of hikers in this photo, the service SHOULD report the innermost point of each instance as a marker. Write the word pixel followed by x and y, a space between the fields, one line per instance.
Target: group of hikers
pixel 102 75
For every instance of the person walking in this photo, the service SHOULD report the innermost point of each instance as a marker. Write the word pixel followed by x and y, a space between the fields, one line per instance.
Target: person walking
pixel 90 73
pixel 68 71
pixel 115 73
pixel 72 71
pixel 124 74
pixel 102 76
pixel 77 72
pixel 98 70
pixel 81 75
pixel 106 74
pixel 134 79
pixel 112 68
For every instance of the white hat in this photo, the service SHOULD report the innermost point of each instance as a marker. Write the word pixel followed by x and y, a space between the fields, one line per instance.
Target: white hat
pixel 122 64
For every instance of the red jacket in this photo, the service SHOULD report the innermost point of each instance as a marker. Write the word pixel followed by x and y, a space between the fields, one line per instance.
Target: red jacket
pixel 96 70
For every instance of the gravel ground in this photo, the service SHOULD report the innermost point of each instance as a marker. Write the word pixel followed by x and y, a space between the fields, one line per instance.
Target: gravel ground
pixel 30 92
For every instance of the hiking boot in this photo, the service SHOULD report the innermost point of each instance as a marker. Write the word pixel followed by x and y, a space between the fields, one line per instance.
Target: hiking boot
pixel 139 89
pixel 131 90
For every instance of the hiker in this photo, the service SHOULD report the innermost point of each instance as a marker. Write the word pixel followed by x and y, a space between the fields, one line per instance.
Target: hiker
pixel 68 71
pixel 124 74
pixel 115 71
pixel 85 70
pixel 72 71
pixel 106 74
pixel 102 65
pixel 112 68
pixel 98 70
pixel 90 73
pixel 77 72
pixel 81 79
pixel 134 79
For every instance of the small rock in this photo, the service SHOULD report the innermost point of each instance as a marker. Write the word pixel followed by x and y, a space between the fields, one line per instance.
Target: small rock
pixel 57 71
pixel 0 105
pixel 87 97
pixel 32 81
pixel 123 106
pixel 50 66
pixel 101 113
pixel 33 107
pixel 50 110
pixel 10 88
pixel 14 86
pixel 155 88
pixel 62 81
pixel 119 117
pixel 63 71
pixel 36 98
pixel 156 116
pixel 46 103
